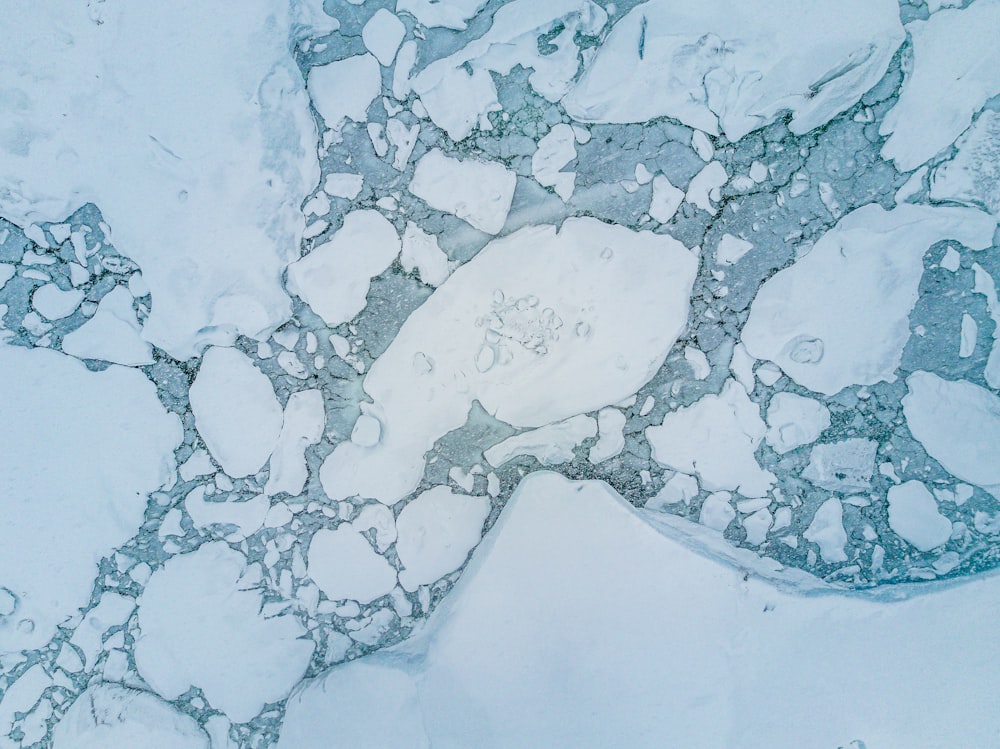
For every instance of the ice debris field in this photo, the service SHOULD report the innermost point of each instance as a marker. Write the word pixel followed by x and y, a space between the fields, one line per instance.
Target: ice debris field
pixel 469 373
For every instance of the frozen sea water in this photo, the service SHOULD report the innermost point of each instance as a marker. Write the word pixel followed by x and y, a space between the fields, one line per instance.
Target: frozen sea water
pixel 423 373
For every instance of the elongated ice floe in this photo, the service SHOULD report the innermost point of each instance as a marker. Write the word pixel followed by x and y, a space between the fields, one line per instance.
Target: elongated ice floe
pixel 596 630
pixel 538 327
pixel 840 315
pixel 732 68
pixel 199 160
pixel 955 70
pixel 83 451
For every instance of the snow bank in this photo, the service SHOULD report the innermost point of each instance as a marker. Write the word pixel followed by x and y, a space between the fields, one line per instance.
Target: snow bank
pixel 595 630
pixel 83 451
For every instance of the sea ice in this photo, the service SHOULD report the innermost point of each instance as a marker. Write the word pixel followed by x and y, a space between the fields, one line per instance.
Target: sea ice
pixel 199 626
pixel 794 420
pixel 732 68
pixel 343 90
pixel 478 192
pixel 302 426
pixel 344 566
pixel 556 149
pixel 451 14
pixel 550 445
pixel 844 466
pixel 335 277
pixel 53 303
pixel 827 531
pixel 972 175
pixel 421 251
pixel 958 424
pixel 113 334
pixel 914 516
pixel 716 438
pixel 247 517
pixel 840 315
pixel 514 328
pixel 717 511
pixel 235 411
pixel 611 437
pixel 986 286
pixel 665 200
pixel 731 249
pixel 83 451
pixel 382 35
pixel 436 532
pixel 955 70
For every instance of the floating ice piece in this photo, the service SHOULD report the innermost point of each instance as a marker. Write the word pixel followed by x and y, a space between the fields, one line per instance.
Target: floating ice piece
pixel 7 271
pixel 335 277
pixel 695 357
pixel 248 516
pixel 725 68
pixel 343 185
pixel 840 315
pixel 479 192
pixel 53 303
pixel 845 466
pixel 827 531
pixel 550 445
pixel 716 438
pixel 199 627
pixel 914 516
pixel 611 437
pixel 968 337
pixel 404 139
pixel 972 175
pixel 985 285
pixel 958 424
pixel 113 334
pixel 344 566
pixel 570 584
pixel 343 90
pixel 199 161
pixel 555 150
pixel 703 191
pixel 109 715
pixel 794 420
pixel 678 488
pixel 731 249
pixel 451 14
pixel 666 199
pixel 235 411
pixel 956 69
pixel 422 252
pixel 757 524
pixel 302 426
pixel 513 328
pixel 436 532
pixel 382 36
pixel 717 511
pixel 82 452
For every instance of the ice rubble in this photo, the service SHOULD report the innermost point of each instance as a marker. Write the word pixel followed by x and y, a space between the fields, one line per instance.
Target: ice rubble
pixel 567 602
pixel 958 424
pixel 109 715
pixel 513 328
pixel 84 451
pixel 200 624
pixel 732 68
pixel 955 70
pixel 199 155
pixel 235 410
pixel 839 316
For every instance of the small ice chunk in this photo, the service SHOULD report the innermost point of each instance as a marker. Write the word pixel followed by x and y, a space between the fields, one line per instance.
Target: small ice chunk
pixel 550 445
pixel 404 139
pixel 382 35
pixel 7 272
pixel 200 626
pixel 479 192
pixel 343 185
pixel 703 188
pixel 715 438
pixel 421 252
pixel 343 90
pixel 696 358
pixel 555 150
pixel 611 437
pixel 958 424
pixel 702 145
pixel 344 566
pixel 969 335
pixel 464 480
pixel 235 411
pixel 914 516
pixel 731 249
pixel 647 405
pixel 247 516
pixel 53 303
pixel 678 488
pixel 845 466
pixel 302 426
pixel 827 531
pixel 665 200
pixel 985 286
pixel 113 334
pixel 794 420
pixel 436 532
pixel 952 260
pixel 335 277
pixel 717 511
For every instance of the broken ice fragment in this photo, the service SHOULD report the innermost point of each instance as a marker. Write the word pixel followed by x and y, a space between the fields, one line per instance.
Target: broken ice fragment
pixel 794 420
pixel 451 14
pixel 972 175
pixel 704 186
pixel 731 249
pixel 302 425
pixel 969 334
pixel 382 35
pixel 665 200
pixel 914 516
pixel 827 531
pixel 611 437
pixel 555 150
pixel 717 511
pixel 344 566
pixel 53 303
pixel 343 90
pixel 479 192
pixel 845 466
pixel 550 445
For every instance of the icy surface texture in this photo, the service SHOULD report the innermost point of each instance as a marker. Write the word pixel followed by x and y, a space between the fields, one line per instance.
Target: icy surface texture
pixel 295 298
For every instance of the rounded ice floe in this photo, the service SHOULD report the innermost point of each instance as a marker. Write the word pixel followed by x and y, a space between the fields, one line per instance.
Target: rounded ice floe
pixel 83 450
pixel 436 532
pixel 53 303
pixel 840 315
pixel 958 424
pixel 382 35
pixel 199 625
pixel 235 411
pixel 735 67
pixel 107 716
pixel 344 566
pixel 514 328
pixel 914 516
pixel 794 420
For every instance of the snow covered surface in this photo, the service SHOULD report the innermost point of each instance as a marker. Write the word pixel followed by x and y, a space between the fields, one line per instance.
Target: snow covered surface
pixel 538 629
pixel 479 192
pixel 913 514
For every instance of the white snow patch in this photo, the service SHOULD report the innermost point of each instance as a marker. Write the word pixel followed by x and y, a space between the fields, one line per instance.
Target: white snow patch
pixel 113 334
pixel 914 516
pixel 478 192
pixel 794 420
pixel 344 566
pixel 550 445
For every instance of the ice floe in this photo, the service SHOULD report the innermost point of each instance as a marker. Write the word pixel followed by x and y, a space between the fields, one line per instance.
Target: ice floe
pixel 302 426
pixel 343 90
pixel 479 192
pixel 344 566
pixel 794 420
pixel 972 175
pixel 844 466
pixel 549 445
pixel 913 514
pixel 827 531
